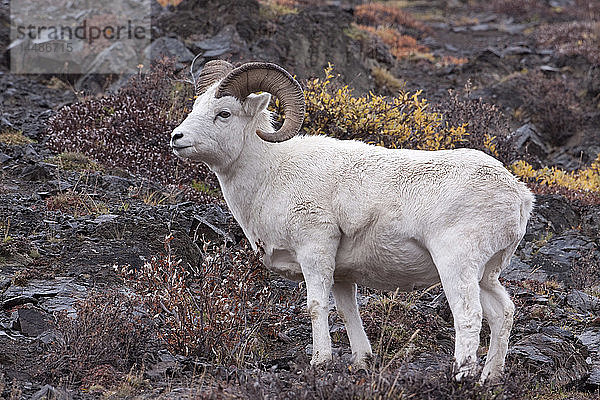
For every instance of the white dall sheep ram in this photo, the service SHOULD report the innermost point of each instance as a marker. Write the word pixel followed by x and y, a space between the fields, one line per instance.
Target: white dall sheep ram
pixel 336 213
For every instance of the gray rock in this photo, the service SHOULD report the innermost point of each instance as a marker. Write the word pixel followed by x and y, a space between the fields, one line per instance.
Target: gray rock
pixel 481 27
pixel 17 301
pixel 57 294
pixel 549 68
pixel 553 355
pixel 4 158
pixel 592 81
pixel 560 253
pixel 170 47
pixel 103 219
pixel 516 50
pixel 583 301
pixel 511 28
pixel 591 219
pixel 552 213
pixel 39 171
pixel 218 44
pixel 594 378
pixel 198 230
pixel 591 340
pixel 116 183
pixel 167 363
pixel 517 270
pixel 50 392
pixel 31 322
pixel 5 284
pixel 528 139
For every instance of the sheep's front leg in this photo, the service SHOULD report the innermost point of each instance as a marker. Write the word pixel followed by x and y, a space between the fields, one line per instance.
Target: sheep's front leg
pixel 345 301
pixel 318 275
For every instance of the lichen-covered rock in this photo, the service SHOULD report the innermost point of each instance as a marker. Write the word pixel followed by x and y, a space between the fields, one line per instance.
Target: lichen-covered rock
pixel 559 254
pixel 553 354
pixel 591 340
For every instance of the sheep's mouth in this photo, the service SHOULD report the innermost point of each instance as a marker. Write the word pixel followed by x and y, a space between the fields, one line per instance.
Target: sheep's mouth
pixel 179 148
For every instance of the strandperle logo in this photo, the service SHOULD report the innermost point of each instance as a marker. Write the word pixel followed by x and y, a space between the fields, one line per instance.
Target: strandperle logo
pixel 89 33
pixel 79 36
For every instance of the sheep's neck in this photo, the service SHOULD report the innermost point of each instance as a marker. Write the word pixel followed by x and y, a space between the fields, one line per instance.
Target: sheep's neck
pixel 244 180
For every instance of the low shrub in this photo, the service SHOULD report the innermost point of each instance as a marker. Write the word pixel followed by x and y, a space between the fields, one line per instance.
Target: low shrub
pixel 73 161
pixel 75 204
pixel 273 9
pixel 572 38
pixel 405 121
pixel 131 129
pixel 402 328
pixel 551 102
pixel 222 311
pixel 108 335
pixel 387 82
pixel 583 184
pixel 14 137
pixel 487 126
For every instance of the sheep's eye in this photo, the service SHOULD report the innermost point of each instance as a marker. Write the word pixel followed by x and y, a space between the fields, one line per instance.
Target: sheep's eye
pixel 224 114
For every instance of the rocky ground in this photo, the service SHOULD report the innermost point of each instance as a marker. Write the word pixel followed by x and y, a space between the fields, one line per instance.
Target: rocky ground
pixel 79 239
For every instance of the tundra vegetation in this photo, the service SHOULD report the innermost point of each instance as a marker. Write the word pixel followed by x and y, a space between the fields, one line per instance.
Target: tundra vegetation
pixel 199 316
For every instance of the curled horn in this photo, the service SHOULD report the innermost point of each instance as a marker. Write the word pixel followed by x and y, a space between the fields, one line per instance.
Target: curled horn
pixel 271 78
pixel 212 72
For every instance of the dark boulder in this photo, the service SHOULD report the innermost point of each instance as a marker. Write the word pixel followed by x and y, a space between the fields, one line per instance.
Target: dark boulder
pixel 552 213
pixel 561 252
pixel 554 355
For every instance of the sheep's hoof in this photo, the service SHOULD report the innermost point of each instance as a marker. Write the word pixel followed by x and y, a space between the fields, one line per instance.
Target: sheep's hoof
pixel 319 360
pixel 465 371
pixel 490 377
pixel 364 363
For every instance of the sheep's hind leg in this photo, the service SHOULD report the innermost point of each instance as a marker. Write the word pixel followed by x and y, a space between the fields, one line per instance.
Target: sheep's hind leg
pixel 318 275
pixel 498 310
pixel 459 277
pixel 345 301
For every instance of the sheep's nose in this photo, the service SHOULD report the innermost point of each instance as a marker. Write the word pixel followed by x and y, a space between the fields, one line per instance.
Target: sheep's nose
pixel 177 136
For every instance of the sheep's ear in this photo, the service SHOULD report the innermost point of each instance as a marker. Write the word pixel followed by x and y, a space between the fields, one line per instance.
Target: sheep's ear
pixel 256 103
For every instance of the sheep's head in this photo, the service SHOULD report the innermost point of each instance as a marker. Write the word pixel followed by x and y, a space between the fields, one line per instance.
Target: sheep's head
pixel 227 111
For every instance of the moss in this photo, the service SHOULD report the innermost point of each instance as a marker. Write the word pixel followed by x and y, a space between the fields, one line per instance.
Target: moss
pixel 14 137
pixel 273 9
pixel 202 187
pixel 73 161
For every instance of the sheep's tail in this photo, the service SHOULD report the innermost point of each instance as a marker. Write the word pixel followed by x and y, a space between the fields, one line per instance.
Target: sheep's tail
pixel 527 204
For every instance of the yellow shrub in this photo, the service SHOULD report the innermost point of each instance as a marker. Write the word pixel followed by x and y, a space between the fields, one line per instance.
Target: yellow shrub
pixel 401 122
pixel 586 180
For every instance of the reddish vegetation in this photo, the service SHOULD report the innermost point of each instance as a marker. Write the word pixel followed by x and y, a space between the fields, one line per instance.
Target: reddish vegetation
pixel 572 38
pixel 401 46
pixel 383 14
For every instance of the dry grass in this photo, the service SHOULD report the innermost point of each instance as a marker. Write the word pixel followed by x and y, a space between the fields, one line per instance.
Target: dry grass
pixel 76 204
pixel 385 81
pixel 13 137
